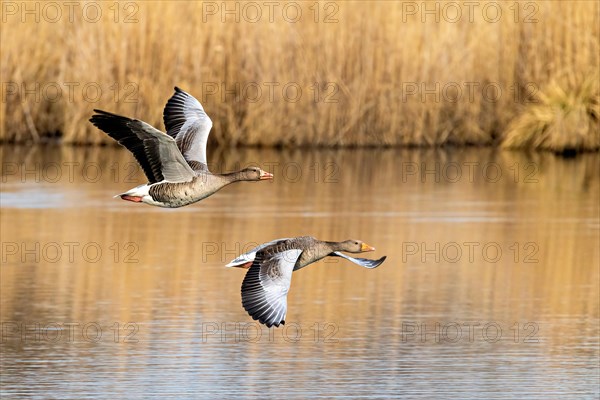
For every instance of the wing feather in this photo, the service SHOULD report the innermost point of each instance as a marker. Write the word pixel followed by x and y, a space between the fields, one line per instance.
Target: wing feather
pixel 363 262
pixel 157 153
pixel 187 122
pixel 266 285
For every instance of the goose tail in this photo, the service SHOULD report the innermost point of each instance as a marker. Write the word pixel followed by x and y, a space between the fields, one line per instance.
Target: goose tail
pixel 137 194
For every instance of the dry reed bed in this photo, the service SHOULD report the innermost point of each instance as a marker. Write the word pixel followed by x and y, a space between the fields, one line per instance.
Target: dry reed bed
pixel 378 58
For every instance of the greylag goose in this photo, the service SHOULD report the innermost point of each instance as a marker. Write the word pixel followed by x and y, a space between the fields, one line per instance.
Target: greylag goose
pixel 270 267
pixel 174 163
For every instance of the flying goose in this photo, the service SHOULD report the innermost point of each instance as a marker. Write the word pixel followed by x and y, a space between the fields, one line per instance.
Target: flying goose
pixel 270 267
pixel 175 162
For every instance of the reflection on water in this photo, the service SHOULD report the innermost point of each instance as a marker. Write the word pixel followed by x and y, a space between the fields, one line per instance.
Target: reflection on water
pixel 490 288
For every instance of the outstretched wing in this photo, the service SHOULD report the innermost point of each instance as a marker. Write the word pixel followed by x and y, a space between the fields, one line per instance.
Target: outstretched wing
pixel 186 121
pixel 249 256
pixel 266 285
pixel 363 262
pixel 157 153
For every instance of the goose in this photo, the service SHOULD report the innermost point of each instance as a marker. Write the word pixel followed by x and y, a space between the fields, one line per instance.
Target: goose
pixel 270 266
pixel 174 163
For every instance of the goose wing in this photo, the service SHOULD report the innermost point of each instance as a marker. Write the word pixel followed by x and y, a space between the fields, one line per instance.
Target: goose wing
pixel 157 153
pixel 363 262
pixel 250 255
pixel 186 122
pixel 265 287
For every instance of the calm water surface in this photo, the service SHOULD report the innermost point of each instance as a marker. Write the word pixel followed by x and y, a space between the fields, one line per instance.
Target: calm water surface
pixel 490 288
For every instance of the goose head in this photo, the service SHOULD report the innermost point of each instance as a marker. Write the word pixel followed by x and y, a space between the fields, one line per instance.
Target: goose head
pixel 254 174
pixel 354 246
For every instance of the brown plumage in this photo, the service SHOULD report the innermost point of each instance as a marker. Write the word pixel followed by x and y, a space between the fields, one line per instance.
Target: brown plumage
pixel 267 282
pixel 174 163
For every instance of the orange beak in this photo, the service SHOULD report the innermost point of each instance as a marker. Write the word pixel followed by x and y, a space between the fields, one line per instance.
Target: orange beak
pixel 366 247
pixel 265 175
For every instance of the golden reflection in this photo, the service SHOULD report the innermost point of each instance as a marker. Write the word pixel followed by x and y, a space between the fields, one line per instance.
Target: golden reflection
pixel 157 264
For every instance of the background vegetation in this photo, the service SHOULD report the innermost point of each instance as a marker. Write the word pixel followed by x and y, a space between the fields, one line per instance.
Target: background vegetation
pixel 371 73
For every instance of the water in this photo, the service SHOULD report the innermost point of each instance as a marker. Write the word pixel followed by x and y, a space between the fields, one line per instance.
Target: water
pixel 490 288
